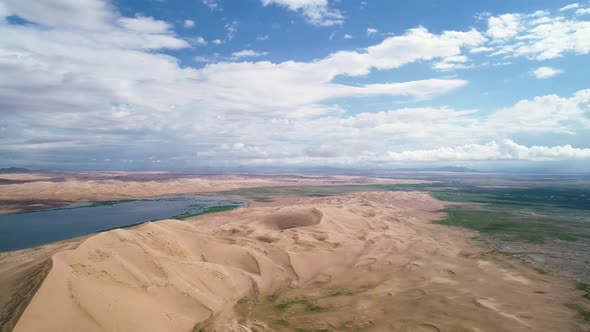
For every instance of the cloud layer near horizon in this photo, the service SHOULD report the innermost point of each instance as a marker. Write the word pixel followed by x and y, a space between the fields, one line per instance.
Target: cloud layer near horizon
pixel 75 88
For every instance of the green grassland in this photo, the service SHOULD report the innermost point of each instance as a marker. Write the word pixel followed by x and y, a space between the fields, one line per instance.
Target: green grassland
pixel 533 215
pixel 214 209
pixel 110 203
pixel 508 226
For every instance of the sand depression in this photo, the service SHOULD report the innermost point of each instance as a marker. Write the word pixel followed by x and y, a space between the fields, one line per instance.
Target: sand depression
pixel 363 261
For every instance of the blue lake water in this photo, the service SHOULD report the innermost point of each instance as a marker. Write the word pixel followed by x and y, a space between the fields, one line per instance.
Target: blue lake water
pixel 30 229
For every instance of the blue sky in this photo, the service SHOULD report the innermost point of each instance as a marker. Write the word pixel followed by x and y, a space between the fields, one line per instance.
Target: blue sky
pixel 175 84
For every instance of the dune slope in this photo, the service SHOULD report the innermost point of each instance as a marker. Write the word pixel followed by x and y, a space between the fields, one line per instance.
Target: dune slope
pixel 370 261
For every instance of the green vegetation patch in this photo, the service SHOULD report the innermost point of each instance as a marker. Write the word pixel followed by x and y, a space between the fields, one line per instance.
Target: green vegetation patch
pixel 110 203
pixel 507 225
pixel 585 288
pixel 305 304
pixel 556 197
pixel 583 312
pixel 273 297
pixel 190 214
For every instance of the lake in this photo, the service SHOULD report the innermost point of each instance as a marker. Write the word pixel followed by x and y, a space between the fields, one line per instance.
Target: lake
pixel 30 229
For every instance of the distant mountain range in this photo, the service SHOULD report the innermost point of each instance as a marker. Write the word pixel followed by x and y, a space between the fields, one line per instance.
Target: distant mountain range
pixel 9 170
pixel 439 169
pixel 312 169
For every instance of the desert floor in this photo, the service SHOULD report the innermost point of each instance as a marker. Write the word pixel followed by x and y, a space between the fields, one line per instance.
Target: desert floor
pixel 363 261
pixel 43 189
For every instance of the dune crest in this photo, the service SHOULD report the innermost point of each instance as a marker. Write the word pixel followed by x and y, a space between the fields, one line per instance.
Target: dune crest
pixel 365 260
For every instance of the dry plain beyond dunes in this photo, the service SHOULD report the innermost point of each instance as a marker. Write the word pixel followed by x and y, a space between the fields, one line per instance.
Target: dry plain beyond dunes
pixel 56 189
pixel 362 261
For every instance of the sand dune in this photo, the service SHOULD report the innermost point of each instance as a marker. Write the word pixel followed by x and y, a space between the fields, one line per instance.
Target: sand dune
pixel 60 189
pixel 370 261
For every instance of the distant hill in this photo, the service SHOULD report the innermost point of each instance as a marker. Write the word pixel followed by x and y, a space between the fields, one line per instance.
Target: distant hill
pixel 9 170
pixel 438 169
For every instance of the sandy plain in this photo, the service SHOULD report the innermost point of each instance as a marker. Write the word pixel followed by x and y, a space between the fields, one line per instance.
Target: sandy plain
pixel 39 190
pixel 356 262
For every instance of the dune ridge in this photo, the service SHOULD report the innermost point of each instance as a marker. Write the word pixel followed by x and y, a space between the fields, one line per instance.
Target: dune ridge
pixel 40 190
pixel 390 268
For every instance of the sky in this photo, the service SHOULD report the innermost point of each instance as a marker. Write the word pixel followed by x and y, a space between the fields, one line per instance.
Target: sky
pixel 193 84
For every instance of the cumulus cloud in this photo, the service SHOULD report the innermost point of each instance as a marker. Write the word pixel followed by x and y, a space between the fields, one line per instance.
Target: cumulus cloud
pixel 546 72
pixel 79 90
pixel 569 7
pixel 212 4
pixel 481 49
pixel 504 150
pixel 371 31
pixel 544 114
pixel 144 24
pixel 231 29
pixel 503 26
pixel 539 35
pixel 77 76
pixel 316 12
pixel 87 14
pixel 200 41
pixel 188 23
pixel 248 54
pixel 452 63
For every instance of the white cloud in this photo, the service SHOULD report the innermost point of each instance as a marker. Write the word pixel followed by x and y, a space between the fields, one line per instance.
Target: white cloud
pixel 480 49
pixel 494 151
pixel 248 54
pixel 316 12
pixel 551 40
pixel 413 135
pixel 231 29
pixel 420 41
pixel 188 23
pixel 4 11
pixel 347 36
pixel 452 63
pixel 144 24
pixel 546 72
pixel 108 67
pixel 371 31
pixel 544 114
pixel 217 41
pixel 86 14
pixel 71 92
pixel 482 16
pixel 583 11
pixel 538 36
pixel 212 4
pixel 569 7
pixel 200 41
pixel 262 37
pixel 503 26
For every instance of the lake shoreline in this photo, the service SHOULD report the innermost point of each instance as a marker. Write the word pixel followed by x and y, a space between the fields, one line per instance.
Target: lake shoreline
pixel 30 229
